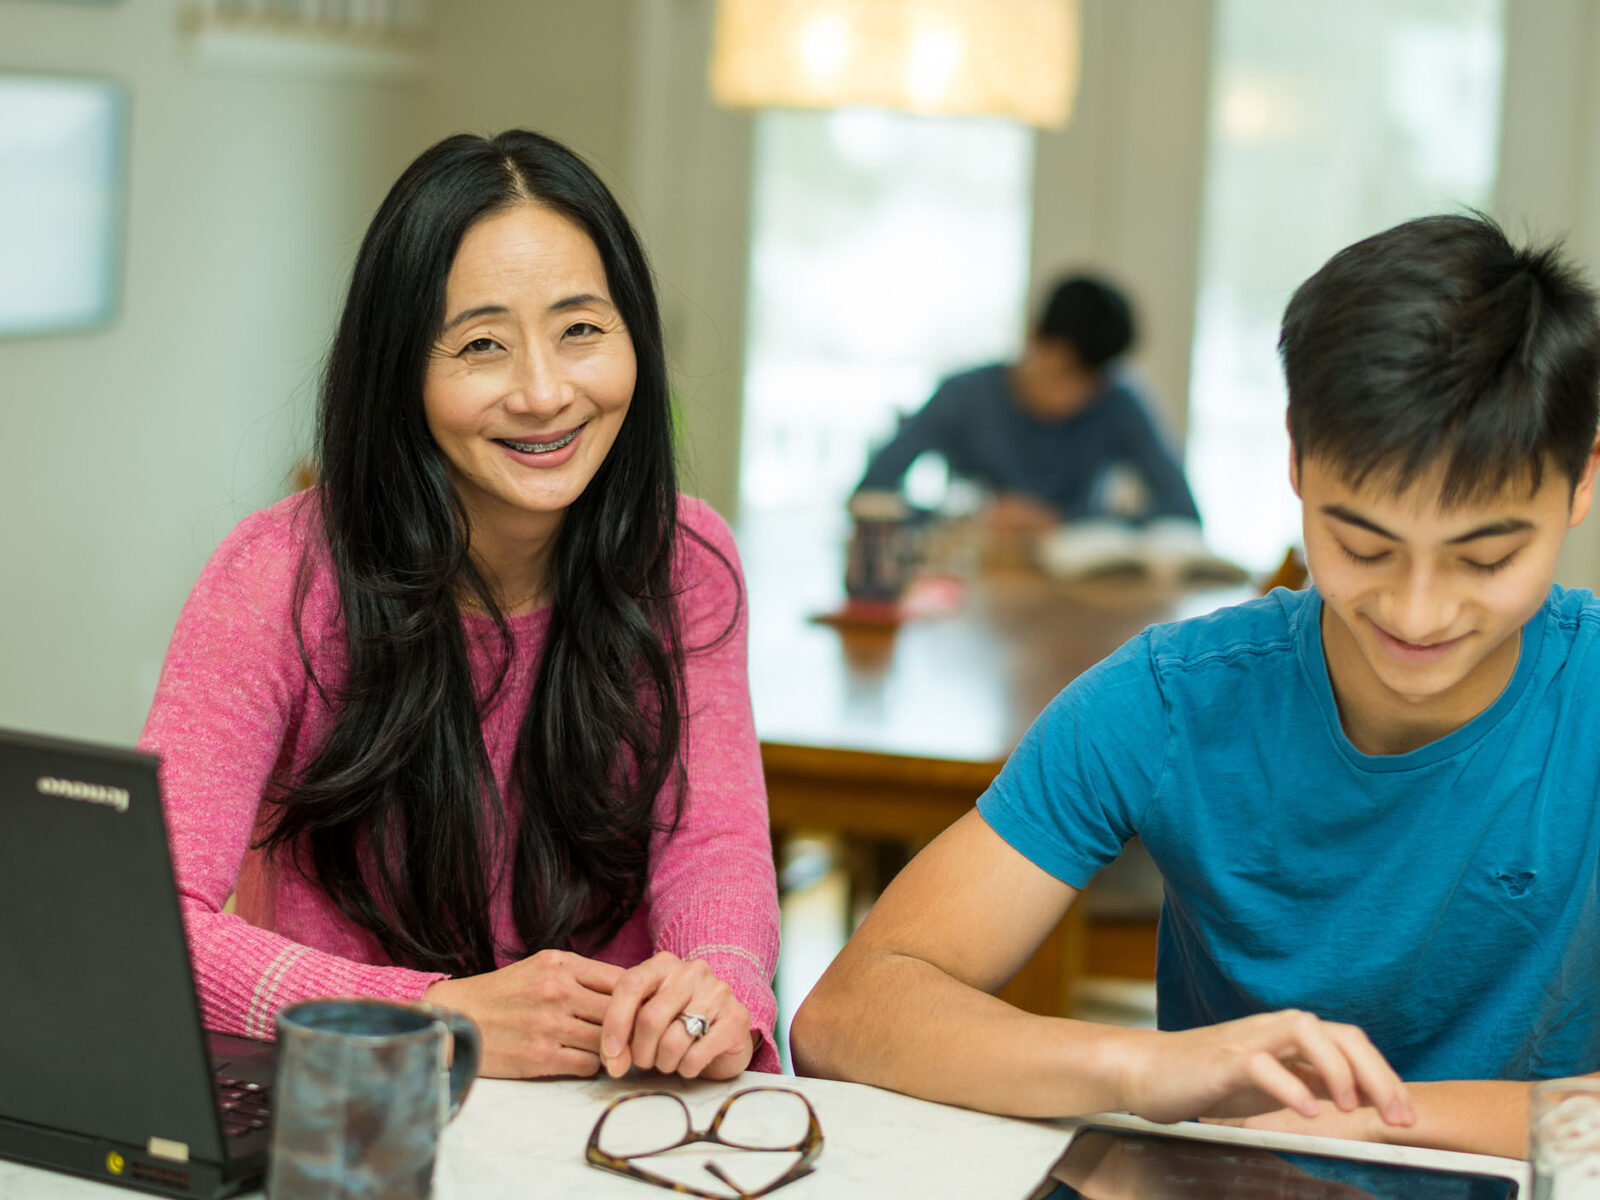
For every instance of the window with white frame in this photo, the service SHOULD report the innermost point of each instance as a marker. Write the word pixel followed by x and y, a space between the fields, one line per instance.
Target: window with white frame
pixel 1327 123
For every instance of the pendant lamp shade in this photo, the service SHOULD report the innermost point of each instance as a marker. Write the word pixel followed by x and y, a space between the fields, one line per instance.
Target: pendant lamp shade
pixel 1006 58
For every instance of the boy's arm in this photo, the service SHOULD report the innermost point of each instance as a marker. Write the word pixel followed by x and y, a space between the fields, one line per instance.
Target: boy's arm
pixel 1479 1116
pixel 906 1006
pixel 1143 445
pixel 929 428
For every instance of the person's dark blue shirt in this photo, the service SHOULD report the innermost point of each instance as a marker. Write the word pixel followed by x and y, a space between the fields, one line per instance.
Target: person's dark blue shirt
pixel 975 422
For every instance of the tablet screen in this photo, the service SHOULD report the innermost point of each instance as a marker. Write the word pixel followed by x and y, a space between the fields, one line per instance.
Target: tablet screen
pixel 1115 1164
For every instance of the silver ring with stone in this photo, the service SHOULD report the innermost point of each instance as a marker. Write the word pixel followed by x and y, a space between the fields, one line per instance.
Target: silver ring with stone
pixel 694 1023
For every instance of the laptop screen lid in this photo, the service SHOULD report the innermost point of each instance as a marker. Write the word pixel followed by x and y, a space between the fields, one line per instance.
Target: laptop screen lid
pixel 102 1035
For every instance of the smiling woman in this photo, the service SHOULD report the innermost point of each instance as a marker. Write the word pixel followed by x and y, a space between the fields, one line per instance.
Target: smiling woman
pixel 466 721
pixel 526 385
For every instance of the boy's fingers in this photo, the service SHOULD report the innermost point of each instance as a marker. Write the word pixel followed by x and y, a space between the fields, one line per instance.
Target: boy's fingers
pixel 1268 1075
pixel 1329 1059
pixel 1378 1081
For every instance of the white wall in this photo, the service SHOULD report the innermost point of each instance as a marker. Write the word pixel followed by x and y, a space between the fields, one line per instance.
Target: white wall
pixel 1118 189
pixel 561 69
pixel 1549 183
pixel 689 183
pixel 125 455
pixel 623 83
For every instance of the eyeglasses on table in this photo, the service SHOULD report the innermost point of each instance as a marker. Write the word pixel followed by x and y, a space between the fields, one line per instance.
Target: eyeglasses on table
pixel 644 1124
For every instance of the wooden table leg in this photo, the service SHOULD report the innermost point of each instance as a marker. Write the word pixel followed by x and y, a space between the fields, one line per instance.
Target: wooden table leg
pixel 865 799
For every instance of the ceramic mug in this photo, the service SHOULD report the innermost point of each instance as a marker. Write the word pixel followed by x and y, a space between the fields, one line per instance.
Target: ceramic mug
pixel 882 555
pixel 361 1097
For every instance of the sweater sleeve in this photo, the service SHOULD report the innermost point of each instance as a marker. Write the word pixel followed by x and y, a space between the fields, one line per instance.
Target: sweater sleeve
pixel 713 889
pixel 230 703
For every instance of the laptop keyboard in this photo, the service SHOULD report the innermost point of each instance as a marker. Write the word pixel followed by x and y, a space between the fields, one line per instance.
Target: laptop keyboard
pixel 246 1104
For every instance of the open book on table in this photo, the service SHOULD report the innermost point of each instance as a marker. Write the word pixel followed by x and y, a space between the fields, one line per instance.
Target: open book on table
pixel 1166 550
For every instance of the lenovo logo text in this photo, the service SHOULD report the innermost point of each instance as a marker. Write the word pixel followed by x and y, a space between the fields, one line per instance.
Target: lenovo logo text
pixel 89 793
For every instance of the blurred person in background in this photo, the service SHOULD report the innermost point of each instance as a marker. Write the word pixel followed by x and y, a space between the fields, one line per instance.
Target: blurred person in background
pixel 1042 435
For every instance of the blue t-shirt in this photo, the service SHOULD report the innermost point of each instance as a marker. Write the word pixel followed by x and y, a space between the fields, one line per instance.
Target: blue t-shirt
pixel 975 423
pixel 1445 900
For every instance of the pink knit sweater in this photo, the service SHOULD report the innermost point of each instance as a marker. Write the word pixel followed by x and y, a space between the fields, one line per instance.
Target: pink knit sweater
pixel 235 708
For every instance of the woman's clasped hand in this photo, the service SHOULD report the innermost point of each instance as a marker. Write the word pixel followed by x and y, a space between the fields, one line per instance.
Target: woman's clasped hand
pixel 642 1026
pixel 559 1013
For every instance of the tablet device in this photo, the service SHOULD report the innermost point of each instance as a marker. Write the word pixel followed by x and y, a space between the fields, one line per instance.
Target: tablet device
pixel 1107 1163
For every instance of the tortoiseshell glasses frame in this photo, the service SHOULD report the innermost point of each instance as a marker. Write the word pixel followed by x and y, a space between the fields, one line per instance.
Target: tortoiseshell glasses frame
pixel 808 1147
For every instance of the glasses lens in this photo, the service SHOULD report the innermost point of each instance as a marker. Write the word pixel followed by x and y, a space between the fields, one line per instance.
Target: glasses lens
pixel 643 1125
pixel 766 1120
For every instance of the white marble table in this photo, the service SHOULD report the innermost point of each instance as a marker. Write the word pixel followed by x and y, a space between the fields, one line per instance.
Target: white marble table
pixel 875 1144
pixel 520 1141
pixel 526 1140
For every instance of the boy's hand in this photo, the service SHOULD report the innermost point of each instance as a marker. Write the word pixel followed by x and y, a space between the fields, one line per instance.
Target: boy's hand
pixel 1260 1064
pixel 1362 1125
pixel 1015 513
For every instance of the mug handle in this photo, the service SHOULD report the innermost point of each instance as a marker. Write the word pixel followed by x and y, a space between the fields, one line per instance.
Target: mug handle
pixel 466 1055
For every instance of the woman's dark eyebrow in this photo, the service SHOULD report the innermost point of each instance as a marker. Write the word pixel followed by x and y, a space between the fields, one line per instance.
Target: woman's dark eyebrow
pixel 486 310
pixel 579 301
pixel 500 310
pixel 1494 529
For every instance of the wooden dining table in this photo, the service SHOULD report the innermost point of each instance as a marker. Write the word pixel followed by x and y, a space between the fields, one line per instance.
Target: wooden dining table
pixel 891 734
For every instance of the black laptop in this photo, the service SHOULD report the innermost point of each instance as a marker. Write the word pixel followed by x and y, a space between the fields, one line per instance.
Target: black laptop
pixel 105 1070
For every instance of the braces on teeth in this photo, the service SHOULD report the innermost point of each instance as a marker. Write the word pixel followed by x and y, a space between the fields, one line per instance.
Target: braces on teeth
pixel 539 447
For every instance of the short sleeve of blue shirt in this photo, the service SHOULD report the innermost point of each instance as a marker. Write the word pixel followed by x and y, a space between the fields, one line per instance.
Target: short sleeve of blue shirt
pixel 1077 785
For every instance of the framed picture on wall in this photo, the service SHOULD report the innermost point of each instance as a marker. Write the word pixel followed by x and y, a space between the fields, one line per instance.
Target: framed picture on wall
pixel 62 182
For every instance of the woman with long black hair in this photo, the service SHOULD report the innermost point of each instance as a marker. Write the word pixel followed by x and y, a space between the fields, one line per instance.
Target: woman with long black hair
pixel 469 720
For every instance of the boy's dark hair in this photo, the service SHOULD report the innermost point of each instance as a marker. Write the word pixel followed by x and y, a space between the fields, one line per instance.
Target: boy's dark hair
pixel 1438 341
pixel 1091 316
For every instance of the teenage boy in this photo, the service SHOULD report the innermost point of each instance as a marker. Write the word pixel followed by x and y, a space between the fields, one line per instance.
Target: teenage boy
pixel 1374 802
pixel 1042 432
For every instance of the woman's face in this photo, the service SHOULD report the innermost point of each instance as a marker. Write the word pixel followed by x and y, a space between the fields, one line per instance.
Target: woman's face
pixel 531 372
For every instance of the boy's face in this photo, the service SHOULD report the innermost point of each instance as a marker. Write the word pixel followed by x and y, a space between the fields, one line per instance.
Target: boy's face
pixel 1051 382
pixel 1422 607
